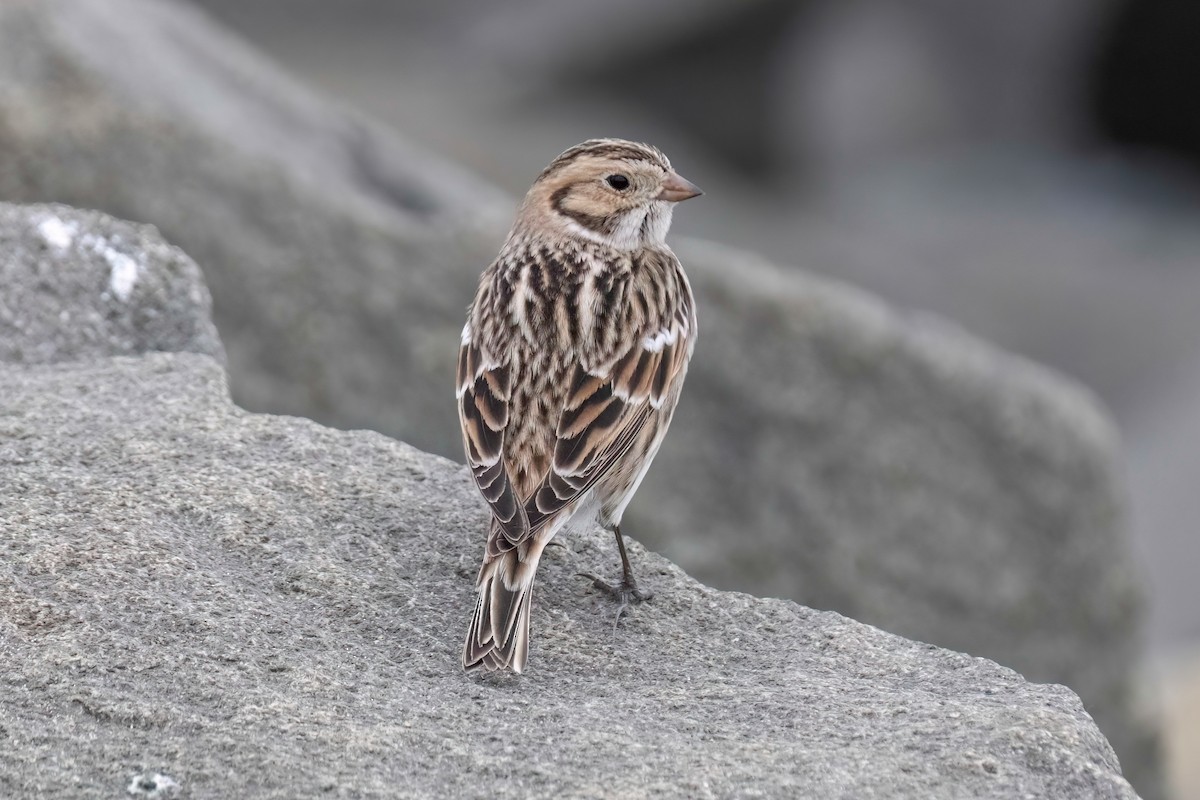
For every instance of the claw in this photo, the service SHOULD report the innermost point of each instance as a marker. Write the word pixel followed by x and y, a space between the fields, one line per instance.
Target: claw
pixel 624 592
pixel 627 590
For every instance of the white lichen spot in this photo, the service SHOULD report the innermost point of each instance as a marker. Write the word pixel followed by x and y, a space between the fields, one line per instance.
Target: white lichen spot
pixel 124 273
pixel 56 233
pixel 153 786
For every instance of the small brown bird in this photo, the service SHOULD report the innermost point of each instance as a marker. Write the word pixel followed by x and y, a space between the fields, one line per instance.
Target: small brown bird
pixel 572 360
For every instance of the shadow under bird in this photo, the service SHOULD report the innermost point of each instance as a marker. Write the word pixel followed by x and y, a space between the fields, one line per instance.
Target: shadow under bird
pixel 572 361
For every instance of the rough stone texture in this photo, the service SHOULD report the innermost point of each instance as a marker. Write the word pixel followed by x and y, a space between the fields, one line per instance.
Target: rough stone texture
pixel 256 606
pixel 80 284
pixel 827 449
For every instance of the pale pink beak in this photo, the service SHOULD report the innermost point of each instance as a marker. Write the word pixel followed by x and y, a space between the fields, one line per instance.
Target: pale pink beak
pixel 676 188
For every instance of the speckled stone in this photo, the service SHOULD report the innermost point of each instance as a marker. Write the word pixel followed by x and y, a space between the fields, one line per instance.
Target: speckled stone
pixel 256 606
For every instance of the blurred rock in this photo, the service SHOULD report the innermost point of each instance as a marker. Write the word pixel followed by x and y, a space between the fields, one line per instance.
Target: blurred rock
pixel 827 449
pixel 864 83
pixel 708 68
pixel 825 86
pixel 1164 460
pixel 775 88
pixel 79 285
pixel 331 249
pixel 201 602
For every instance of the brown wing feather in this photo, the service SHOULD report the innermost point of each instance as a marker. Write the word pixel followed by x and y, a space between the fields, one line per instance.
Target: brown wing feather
pixel 606 409
pixel 484 390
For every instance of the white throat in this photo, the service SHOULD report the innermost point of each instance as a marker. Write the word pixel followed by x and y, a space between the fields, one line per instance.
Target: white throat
pixel 638 228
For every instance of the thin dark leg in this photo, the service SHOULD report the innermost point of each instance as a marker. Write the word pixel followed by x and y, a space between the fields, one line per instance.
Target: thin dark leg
pixel 626 570
pixel 627 591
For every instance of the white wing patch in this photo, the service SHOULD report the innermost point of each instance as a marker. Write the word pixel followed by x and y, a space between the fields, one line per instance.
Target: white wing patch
pixel 658 341
pixel 471 365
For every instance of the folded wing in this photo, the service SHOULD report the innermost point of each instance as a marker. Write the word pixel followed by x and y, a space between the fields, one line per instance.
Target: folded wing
pixel 607 408
pixel 484 390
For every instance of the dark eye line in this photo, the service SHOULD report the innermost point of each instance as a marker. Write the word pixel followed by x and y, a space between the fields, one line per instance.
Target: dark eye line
pixel 618 181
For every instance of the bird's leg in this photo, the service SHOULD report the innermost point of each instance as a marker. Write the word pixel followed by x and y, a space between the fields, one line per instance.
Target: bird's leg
pixel 627 590
pixel 628 584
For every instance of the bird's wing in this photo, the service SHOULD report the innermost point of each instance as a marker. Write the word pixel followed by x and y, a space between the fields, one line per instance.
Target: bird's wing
pixel 484 388
pixel 606 409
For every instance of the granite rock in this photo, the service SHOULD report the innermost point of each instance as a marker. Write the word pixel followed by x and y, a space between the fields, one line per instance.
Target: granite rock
pixel 78 285
pixel 197 601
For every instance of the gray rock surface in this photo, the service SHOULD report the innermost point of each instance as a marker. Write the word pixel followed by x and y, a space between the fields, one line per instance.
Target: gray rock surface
pixel 336 256
pixel 827 449
pixel 80 284
pixel 204 602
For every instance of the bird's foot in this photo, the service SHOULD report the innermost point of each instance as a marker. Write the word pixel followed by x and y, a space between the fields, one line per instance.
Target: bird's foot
pixel 625 592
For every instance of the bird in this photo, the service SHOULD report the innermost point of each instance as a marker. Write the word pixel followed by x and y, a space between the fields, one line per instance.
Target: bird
pixel 571 364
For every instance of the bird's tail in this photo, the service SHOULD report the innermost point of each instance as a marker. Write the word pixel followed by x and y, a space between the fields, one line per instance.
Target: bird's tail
pixel 499 634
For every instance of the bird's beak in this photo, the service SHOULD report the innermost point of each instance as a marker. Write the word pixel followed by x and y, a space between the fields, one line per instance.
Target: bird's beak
pixel 676 188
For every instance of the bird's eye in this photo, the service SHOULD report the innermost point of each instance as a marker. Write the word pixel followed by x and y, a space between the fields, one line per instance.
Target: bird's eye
pixel 618 182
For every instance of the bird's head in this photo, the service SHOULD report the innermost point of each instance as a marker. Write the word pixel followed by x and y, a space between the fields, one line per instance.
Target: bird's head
pixel 610 191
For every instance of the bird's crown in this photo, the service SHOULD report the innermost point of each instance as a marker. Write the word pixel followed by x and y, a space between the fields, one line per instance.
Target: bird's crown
pixel 608 150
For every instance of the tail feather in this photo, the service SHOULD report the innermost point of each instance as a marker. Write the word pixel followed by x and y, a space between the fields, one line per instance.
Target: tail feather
pixel 499 634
